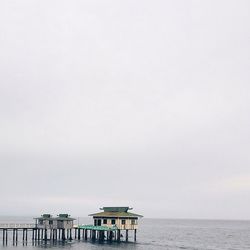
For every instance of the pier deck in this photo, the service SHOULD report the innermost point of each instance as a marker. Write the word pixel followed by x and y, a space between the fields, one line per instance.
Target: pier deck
pixel 29 231
pixel 17 225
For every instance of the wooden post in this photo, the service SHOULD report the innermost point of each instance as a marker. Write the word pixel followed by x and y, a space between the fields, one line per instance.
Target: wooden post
pixel 127 235
pixel 102 235
pixel 135 235
pixel 13 235
pixel 93 234
pixel 26 235
pixel 86 234
pixel 6 240
pixel 75 233
pixel 42 235
pixel 23 234
pixel 4 235
pixel 63 234
pixel 79 233
pixel 70 234
pixel 118 235
pixel 110 235
pixel 16 235
pixel 45 235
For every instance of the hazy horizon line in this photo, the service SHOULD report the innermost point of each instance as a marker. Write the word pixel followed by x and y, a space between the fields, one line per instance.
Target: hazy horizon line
pixel 144 217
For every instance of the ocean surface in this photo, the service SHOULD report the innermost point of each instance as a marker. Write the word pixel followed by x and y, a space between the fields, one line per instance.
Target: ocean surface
pixel 156 234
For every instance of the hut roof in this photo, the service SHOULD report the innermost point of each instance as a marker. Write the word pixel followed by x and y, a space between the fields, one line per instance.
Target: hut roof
pixel 112 212
pixel 55 218
pixel 64 217
pixel 116 209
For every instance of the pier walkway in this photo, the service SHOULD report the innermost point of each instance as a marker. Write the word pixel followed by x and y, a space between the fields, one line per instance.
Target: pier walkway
pixel 27 231
pixel 17 225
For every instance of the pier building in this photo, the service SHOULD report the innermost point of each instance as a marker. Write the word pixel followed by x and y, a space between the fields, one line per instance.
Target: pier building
pixel 47 221
pixel 116 219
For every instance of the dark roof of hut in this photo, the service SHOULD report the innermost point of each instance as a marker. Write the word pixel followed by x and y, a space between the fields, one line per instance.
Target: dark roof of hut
pixel 55 218
pixel 116 209
pixel 64 215
pixel 61 217
pixel 112 212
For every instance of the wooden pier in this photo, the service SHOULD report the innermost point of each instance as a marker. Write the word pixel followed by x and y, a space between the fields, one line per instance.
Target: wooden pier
pixel 29 232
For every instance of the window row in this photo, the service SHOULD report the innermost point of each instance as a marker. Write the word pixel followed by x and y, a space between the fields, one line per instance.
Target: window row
pixel 99 222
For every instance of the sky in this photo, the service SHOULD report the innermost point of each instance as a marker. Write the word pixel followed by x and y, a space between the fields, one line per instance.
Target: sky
pixel 125 103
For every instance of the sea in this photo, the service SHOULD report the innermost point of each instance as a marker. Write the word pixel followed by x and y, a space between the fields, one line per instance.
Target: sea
pixel 169 234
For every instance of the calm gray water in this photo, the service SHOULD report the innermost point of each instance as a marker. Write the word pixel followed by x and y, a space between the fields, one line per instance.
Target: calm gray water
pixel 160 234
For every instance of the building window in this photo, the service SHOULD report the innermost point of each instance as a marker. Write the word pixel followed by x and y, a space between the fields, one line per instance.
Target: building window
pixel 113 222
pixel 123 222
pixel 99 222
pixel 133 222
pixel 105 221
pixel 51 222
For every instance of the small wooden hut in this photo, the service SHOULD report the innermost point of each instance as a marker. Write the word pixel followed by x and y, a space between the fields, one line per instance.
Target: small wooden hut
pixel 118 217
pixel 62 221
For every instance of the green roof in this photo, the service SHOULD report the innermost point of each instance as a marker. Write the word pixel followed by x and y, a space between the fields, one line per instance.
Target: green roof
pixel 64 215
pixel 55 218
pixel 116 214
pixel 98 228
pixel 116 209
pixel 46 215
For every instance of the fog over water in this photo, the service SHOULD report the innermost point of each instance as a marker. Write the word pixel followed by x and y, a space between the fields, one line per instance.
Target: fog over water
pixel 139 103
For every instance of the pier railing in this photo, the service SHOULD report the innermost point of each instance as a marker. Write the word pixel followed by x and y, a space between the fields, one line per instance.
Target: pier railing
pixel 19 225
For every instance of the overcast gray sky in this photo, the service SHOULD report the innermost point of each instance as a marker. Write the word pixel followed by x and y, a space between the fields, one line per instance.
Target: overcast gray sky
pixel 139 103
